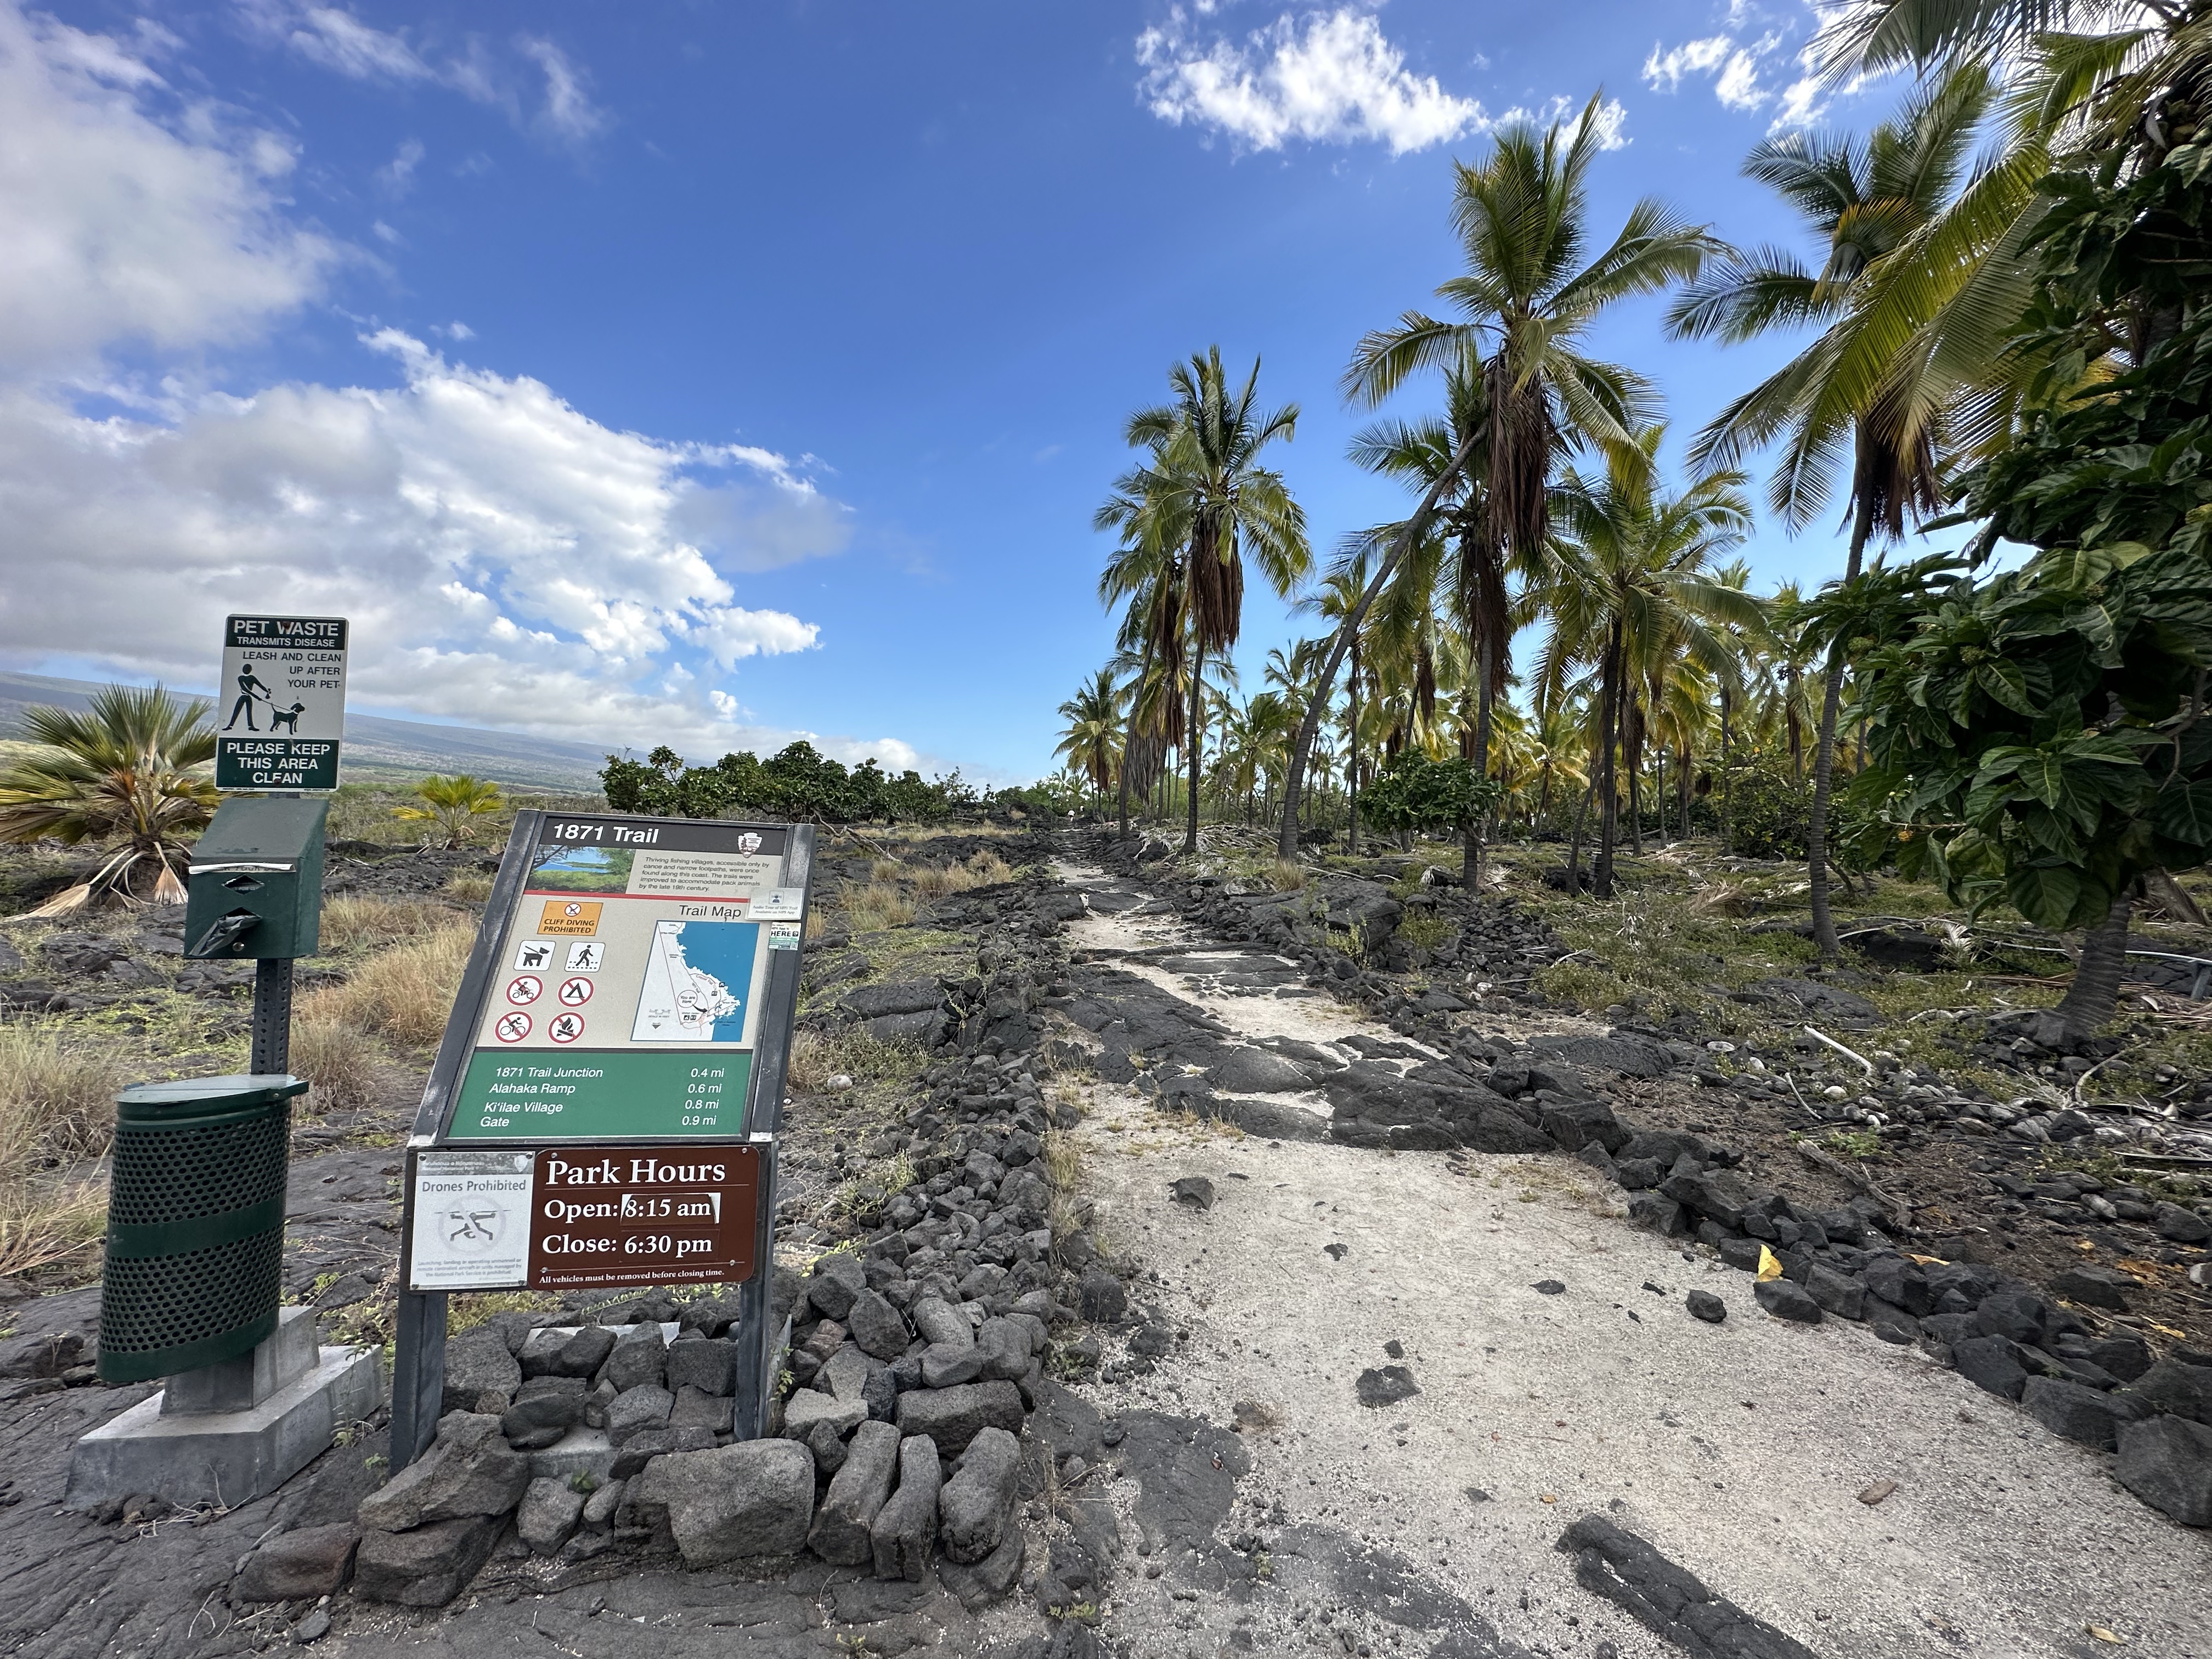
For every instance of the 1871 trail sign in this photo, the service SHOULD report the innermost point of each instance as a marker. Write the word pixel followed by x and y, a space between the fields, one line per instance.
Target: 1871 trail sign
pixel 602 1111
pixel 284 702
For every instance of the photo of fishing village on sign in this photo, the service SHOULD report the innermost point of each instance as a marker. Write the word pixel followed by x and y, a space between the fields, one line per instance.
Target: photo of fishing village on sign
pixel 1362 831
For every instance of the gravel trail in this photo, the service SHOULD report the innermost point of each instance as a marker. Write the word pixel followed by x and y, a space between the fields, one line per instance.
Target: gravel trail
pixel 1430 1525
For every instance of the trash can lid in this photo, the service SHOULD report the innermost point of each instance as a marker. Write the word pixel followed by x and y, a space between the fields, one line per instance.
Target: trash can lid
pixel 235 1091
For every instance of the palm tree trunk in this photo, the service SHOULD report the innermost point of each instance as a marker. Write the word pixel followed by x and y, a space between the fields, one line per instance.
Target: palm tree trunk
pixel 1351 772
pixel 1348 630
pixel 1608 792
pixel 1727 783
pixel 1823 754
pixel 1632 756
pixel 2089 1001
pixel 1195 725
pixel 1574 844
pixel 1479 832
pixel 1659 789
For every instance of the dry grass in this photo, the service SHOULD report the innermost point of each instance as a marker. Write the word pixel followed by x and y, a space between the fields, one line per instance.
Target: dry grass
pixel 43 1223
pixel 338 1058
pixel 817 1057
pixel 57 1107
pixel 1287 876
pixel 468 886
pixel 370 922
pixel 57 1097
pixel 404 993
pixel 876 906
pixel 1063 1167
pixel 985 869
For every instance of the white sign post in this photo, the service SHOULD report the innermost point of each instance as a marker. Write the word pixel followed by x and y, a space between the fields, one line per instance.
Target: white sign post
pixel 284 702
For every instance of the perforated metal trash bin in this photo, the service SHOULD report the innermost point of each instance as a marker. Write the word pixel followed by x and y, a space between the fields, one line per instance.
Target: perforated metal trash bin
pixel 195 1223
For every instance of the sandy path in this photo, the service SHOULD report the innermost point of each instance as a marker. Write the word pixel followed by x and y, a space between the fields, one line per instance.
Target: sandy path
pixel 1739 1450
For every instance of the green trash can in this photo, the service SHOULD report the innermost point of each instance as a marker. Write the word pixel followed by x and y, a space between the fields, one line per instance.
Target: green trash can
pixel 195 1223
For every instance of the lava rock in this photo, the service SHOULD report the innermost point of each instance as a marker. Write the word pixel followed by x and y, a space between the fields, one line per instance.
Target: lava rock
pixel 551 1512
pixel 1385 1385
pixel 1099 1296
pixel 708 1364
pixel 1991 1362
pixel 1194 1192
pixel 638 1359
pixel 1840 1294
pixel 840 1534
pixel 555 1352
pixel 294 1566
pixel 876 1327
pixel 905 1528
pixel 429 1566
pixel 2080 1414
pixel 1704 1305
pixel 2181 1226
pixel 1786 1300
pixel 808 1406
pixel 478 1367
pixel 2167 1462
pixel 469 1471
pixel 647 1406
pixel 975 1504
pixel 836 1280
pixel 754 1498
pixel 953 1417
pixel 2181 1389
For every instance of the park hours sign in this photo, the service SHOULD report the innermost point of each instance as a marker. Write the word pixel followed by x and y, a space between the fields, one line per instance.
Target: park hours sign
pixel 284 698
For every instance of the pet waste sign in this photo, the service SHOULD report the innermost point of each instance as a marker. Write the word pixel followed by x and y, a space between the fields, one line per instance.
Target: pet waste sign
pixel 282 700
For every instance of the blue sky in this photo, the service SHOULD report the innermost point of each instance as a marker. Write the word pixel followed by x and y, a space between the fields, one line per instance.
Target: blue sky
pixel 715 372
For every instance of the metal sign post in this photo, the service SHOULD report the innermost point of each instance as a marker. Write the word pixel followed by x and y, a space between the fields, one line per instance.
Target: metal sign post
pixel 604 1108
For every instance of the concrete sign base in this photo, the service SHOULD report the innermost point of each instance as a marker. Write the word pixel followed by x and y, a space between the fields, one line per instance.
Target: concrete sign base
pixel 229 1458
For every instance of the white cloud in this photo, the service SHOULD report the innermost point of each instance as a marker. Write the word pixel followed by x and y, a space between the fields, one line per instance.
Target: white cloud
pixel 569 112
pixel 397 176
pixel 1333 79
pixel 112 228
pixel 1664 70
pixel 1735 66
pixel 336 40
pixel 507 561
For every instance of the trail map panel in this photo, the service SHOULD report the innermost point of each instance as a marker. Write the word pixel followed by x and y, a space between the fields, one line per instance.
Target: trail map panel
pixel 283 695
pixel 632 980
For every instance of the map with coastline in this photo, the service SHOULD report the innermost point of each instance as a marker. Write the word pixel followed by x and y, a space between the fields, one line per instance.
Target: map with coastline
pixel 698 978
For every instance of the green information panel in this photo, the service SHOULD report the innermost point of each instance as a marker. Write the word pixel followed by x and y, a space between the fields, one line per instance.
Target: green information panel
pixel 537 1096
pixel 629 981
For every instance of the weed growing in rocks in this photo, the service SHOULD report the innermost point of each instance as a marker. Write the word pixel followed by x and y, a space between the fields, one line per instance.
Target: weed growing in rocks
pixel 404 993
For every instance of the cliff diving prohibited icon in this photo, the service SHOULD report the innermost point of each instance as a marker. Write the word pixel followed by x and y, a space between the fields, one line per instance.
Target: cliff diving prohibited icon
pixel 566 1027
pixel 512 1028
pixel 526 987
pixel 575 993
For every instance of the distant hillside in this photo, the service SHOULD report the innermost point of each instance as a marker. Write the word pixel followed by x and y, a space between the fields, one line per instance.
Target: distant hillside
pixel 378 749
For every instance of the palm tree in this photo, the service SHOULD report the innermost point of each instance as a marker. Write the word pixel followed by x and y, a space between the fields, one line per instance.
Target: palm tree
pixel 1334 598
pixel 1873 205
pixel 1215 502
pixel 1527 298
pixel 453 805
pixel 1630 586
pixel 1092 739
pixel 130 768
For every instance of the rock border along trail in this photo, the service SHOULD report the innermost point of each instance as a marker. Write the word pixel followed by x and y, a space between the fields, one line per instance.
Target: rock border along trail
pixel 1531 1363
